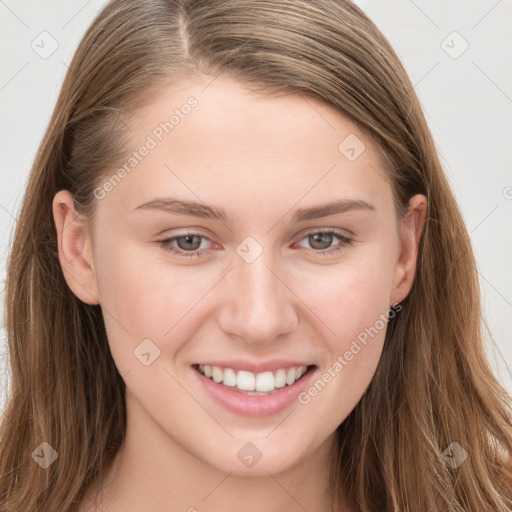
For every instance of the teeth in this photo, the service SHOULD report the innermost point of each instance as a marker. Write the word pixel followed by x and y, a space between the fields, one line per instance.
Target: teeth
pixel 245 381
pixel 217 374
pixel 290 376
pixel 251 383
pixel 280 379
pixel 230 378
pixel 265 381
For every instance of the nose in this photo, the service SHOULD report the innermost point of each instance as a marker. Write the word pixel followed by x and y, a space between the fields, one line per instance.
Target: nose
pixel 259 306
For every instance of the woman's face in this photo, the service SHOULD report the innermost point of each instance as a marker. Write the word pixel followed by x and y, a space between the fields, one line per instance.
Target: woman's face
pixel 215 247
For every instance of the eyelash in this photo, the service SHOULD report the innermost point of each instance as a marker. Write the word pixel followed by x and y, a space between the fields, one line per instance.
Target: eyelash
pixel 345 241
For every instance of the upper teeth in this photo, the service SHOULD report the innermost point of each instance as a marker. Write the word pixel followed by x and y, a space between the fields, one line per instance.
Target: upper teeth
pixel 248 381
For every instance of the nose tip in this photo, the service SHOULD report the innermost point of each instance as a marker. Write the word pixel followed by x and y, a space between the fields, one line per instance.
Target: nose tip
pixel 260 306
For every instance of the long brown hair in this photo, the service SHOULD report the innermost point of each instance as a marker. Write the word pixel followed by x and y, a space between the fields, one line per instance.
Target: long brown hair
pixel 433 386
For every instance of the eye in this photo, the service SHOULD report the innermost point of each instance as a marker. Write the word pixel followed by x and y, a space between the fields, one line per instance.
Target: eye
pixel 321 241
pixel 188 245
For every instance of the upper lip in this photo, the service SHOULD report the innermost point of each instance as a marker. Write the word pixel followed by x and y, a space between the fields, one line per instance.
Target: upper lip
pixel 254 367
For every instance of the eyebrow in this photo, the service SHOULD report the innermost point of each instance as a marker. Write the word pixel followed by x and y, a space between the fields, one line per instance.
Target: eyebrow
pixel 176 206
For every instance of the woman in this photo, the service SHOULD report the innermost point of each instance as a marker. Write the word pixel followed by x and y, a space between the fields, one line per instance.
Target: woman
pixel 319 344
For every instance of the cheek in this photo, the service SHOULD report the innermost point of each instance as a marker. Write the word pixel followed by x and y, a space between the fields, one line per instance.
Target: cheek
pixel 353 302
pixel 142 299
pixel 353 295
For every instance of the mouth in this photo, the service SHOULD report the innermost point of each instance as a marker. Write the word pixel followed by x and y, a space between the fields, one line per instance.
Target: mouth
pixel 255 384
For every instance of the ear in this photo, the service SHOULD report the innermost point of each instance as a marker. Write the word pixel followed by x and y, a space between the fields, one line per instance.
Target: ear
pixel 75 249
pixel 411 230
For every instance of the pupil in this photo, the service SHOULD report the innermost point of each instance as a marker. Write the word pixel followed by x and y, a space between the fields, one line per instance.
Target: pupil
pixel 189 240
pixel 320 235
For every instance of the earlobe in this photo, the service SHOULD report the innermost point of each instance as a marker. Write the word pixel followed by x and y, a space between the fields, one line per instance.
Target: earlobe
pixel 75 249
pixel 411 231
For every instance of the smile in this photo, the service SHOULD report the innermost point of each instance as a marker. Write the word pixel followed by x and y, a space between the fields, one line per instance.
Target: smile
pixel 256 394
pixel 253 384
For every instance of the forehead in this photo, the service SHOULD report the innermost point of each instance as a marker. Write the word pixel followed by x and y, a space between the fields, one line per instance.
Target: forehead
pixel 217 139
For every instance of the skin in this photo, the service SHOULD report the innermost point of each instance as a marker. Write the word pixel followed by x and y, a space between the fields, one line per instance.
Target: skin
pixel 259 160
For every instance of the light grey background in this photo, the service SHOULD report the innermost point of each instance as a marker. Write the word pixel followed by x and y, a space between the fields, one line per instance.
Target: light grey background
pixel 466 94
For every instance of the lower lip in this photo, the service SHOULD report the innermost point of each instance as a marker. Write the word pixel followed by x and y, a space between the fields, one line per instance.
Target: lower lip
pixel 255 406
